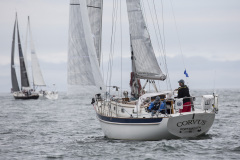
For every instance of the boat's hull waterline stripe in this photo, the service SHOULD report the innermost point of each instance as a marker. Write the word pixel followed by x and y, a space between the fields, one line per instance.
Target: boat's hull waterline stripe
pixel 130 120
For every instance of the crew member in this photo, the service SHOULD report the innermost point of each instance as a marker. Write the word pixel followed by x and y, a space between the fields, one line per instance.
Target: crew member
pixel 183 92
pixel 155 105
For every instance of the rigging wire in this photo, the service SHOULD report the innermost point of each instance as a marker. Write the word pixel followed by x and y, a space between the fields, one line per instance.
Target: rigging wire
pixel 101 42
pixel 121 40
pixel 168 84
pixel 164 47
pixel 156 32
pixel 162 40
pixel 112 43
pixel 144 12
pixel 179 42
pixel 113 47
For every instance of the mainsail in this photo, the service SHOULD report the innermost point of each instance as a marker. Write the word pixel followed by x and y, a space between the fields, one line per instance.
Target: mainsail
pixel 15 86
pixel 83 69
pixel 144 59
pixel 23 71
pixel 95 18
pixel 36 71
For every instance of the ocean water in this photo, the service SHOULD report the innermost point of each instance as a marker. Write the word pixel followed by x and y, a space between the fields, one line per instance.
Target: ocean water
pixel 67 128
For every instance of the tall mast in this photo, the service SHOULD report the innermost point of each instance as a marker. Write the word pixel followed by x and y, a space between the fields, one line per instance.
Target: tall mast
pixel 134 82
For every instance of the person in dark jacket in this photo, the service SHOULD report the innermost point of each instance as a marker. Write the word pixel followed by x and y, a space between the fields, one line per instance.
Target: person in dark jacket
pixel 155 105
pixel 183 92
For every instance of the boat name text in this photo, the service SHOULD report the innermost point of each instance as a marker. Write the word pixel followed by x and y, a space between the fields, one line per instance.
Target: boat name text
pixel 190 122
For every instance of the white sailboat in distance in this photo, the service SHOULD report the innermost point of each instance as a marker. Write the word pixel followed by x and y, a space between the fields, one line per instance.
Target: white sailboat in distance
pixel 38 80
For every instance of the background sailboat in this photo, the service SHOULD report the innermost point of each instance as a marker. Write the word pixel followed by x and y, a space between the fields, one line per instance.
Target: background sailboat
pixel 38 80
pixel 26 92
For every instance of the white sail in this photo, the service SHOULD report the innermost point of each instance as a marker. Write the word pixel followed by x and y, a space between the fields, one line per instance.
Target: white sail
pixel 83 70
pixel 25 52
pixel 95 18
pixel 146 64
pixel 36 71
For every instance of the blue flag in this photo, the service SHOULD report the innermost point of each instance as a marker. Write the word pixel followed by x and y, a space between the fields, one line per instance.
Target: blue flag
pixel 185 72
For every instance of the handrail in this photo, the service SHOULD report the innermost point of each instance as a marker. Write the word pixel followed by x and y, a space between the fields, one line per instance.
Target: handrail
pixel 107 110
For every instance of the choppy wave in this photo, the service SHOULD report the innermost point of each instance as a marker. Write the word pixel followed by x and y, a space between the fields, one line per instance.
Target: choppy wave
pixel 68 129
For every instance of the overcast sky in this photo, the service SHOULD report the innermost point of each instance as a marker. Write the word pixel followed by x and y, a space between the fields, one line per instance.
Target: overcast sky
pixel 209 33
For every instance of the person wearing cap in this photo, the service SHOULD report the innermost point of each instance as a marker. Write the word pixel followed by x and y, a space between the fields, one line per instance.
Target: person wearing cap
pixel 183 92
pixel 155 104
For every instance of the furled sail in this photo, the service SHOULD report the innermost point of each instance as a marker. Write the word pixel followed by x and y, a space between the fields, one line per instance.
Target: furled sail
pixel 23 71
pixel 95 18
pixel 83 70
pixel 15 86
pixel 36 71
pixel 146 65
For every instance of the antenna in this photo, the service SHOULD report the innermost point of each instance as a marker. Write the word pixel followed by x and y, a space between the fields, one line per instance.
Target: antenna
pixel 214 82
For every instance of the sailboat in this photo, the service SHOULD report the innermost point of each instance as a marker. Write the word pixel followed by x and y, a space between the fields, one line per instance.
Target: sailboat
pixel 128 118
pixel 26 91
pixel 38 80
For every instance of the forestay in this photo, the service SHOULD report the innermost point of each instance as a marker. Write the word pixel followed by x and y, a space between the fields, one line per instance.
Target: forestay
pixel 145 60
pixel 95 17
pixel 83 69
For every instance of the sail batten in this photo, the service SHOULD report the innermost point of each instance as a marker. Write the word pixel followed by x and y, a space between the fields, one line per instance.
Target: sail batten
pixel 15 86
pixel 144 56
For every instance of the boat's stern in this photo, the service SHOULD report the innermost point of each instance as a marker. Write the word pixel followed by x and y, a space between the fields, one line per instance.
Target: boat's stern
pixel 190 124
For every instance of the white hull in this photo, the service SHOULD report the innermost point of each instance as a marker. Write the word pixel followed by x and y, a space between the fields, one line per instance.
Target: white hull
pixel 48 95
pixel 128 125
pixel 137 131
pixel 51 95
pixel 169 128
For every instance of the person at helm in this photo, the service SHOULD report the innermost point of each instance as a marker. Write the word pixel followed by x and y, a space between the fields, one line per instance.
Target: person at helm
pixel 183 92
